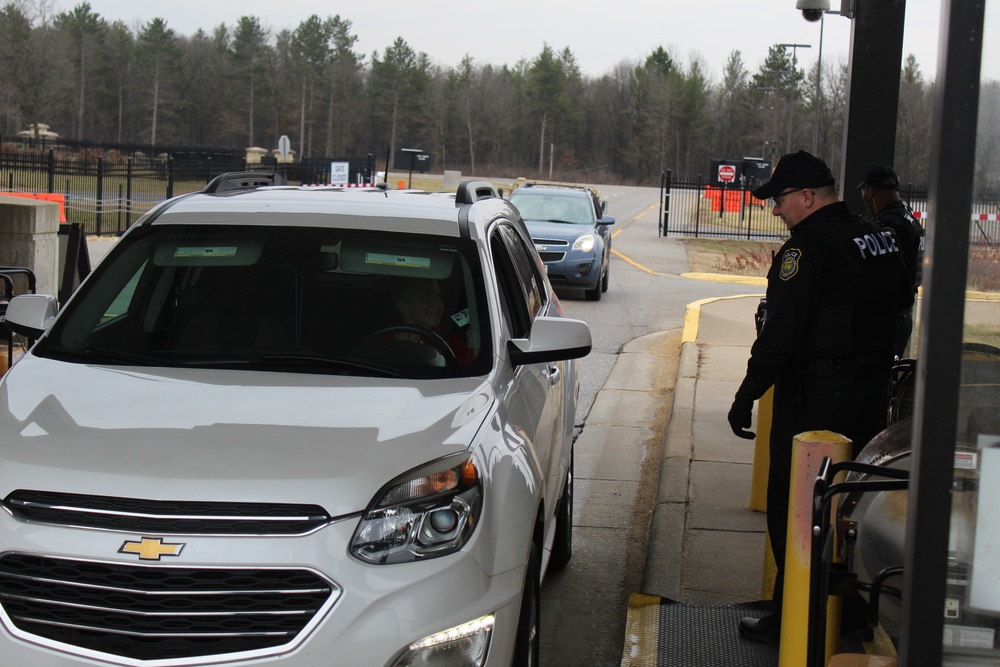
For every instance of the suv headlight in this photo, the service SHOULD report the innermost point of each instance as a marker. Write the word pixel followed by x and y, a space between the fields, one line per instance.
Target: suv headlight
pixel 462 646
pixel 585 243
pixel 428 512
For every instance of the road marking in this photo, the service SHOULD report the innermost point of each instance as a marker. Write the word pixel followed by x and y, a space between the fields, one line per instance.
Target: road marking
pixel 636 264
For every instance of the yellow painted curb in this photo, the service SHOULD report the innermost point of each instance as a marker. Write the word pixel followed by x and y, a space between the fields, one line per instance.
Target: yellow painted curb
pixel 692 315
pixel 727 278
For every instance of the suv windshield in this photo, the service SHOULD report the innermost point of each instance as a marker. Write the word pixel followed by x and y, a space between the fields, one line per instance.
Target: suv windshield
pixel 554 206
pixel 299 299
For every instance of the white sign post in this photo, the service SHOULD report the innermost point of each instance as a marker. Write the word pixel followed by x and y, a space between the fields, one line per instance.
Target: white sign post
pixel 338 173
pixel 284 145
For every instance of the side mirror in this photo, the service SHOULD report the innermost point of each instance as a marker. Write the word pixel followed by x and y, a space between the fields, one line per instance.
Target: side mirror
pixel 606 220
pixel 31 314
pixel 551 339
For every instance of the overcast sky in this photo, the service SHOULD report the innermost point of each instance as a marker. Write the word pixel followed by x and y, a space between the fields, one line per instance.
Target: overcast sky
pixel 600 33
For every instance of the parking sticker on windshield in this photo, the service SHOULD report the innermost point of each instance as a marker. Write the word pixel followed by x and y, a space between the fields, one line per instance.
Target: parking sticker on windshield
pixel 205 251
pixel 408 261
pixel 461 318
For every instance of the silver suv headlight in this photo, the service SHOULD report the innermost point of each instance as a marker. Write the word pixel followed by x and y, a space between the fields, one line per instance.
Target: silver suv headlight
pixel 428 512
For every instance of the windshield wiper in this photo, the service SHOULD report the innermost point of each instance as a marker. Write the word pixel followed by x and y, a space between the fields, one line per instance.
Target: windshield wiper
pixel 299 362
pixel 99 355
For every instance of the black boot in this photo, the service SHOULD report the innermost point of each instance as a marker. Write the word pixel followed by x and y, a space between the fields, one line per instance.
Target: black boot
pixel 765 629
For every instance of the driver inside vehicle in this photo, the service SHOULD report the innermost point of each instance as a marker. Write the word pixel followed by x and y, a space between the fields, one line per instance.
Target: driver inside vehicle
pixel 420 306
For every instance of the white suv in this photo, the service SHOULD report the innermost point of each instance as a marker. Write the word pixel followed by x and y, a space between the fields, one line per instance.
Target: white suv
pixel 295 426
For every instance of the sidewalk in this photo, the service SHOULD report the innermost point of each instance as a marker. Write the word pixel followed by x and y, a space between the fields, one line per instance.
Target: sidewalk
pixel 704 491
pixel 706 547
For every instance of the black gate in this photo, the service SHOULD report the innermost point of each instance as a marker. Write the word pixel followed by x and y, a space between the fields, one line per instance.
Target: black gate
pixel 696 208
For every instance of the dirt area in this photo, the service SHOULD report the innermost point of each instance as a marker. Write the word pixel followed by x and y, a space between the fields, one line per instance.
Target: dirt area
pixel 730 256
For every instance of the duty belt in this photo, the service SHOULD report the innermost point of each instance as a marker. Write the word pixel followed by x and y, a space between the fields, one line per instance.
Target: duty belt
pixel 833 366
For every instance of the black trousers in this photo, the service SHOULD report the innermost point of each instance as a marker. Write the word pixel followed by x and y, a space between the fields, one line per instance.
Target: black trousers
pixel 844 403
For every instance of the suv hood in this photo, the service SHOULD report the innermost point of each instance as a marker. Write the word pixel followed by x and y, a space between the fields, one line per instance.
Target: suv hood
pixel 183 434
pixel 557 230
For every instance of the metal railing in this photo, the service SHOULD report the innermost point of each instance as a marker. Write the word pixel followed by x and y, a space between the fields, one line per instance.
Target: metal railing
pixel 692 207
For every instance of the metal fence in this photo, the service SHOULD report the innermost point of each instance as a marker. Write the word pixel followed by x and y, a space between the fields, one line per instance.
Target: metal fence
pixel 107 191
pixel 692 207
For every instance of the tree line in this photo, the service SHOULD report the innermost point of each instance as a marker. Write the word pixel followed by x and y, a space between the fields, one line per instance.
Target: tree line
pixel 240 85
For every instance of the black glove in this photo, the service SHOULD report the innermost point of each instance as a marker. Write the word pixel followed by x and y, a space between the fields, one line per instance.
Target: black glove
pixel 740 416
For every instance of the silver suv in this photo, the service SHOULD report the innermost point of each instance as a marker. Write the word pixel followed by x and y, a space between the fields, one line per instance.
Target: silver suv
pixel 295 426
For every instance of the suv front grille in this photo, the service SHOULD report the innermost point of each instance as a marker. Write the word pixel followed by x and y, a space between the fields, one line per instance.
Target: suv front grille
pixel 159 613
pixel 550 254
pixel 164 517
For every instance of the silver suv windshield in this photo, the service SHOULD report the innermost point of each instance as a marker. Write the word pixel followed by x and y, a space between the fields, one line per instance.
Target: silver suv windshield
pixel 293 299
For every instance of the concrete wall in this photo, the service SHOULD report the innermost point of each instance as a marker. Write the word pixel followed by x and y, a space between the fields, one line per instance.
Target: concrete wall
pixel 29 237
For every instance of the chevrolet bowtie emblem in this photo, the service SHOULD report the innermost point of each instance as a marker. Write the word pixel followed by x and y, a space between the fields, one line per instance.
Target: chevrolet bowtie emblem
pixel 151 548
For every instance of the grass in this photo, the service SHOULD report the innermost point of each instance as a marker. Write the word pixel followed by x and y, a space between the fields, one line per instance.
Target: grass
pixel 729 256
pixel 984 268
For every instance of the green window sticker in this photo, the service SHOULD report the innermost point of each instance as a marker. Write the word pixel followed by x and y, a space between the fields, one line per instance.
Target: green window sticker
pixel 407 261
pixel 205 251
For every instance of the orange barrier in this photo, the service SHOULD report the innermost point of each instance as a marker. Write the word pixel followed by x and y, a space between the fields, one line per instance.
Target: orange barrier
pixel 43 196
pixel 731 199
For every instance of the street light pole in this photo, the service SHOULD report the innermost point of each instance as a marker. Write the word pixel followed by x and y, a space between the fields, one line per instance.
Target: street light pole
pixel 819 91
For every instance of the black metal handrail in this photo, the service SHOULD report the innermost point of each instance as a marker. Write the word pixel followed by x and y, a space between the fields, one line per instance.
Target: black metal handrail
pixel 824 490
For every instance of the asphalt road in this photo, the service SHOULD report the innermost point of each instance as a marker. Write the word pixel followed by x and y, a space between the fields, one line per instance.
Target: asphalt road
pixel 584 607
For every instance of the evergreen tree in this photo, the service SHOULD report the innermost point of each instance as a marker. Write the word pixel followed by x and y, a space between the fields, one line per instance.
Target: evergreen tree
pixel 86 30
pixel 159 57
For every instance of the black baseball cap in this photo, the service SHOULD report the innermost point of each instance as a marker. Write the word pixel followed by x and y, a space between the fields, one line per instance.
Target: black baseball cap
pixel 880 177
pixel 795 170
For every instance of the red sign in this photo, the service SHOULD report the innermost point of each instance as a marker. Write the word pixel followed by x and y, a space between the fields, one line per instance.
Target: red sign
pixel 727 173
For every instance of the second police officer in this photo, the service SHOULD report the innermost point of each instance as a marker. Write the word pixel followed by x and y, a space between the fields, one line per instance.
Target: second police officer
pixel 880 193
pixel 833 292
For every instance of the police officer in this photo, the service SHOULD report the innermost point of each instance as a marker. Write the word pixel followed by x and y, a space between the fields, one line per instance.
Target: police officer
pixel 826 344
pixel 880 193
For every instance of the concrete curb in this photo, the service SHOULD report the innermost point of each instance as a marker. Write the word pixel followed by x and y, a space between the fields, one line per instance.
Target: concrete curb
pixel 664 556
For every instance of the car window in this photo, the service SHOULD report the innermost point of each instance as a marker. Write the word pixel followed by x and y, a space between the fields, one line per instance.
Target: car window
pixel 521 277
pixel 285 299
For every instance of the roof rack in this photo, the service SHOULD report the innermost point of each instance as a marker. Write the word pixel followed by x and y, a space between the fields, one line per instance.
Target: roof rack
pixel 534 183
pixel 242 180
pixel 472 191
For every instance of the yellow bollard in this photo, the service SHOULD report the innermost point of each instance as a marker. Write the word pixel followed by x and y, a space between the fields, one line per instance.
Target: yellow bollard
pixel 758 486
pixel 762 452
pixel 808 451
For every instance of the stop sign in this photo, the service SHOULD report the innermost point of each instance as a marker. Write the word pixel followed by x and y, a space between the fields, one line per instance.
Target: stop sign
pixel 727 173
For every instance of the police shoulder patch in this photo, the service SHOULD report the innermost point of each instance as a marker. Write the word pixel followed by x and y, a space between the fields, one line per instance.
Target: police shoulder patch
pixel 789 263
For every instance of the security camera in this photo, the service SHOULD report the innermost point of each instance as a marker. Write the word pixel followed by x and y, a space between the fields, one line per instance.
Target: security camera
pixel 812 10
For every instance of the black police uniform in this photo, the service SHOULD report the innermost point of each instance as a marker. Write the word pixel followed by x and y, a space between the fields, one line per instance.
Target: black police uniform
pixel 826 345
pixel 909 234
